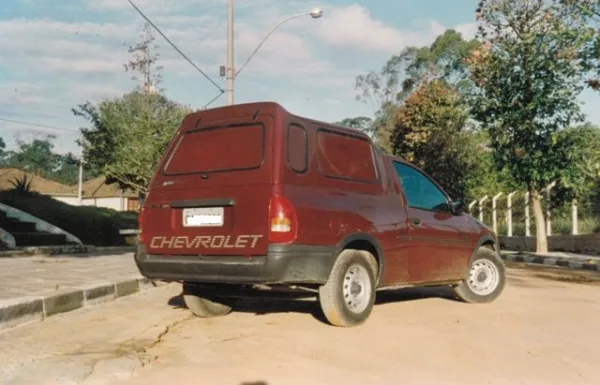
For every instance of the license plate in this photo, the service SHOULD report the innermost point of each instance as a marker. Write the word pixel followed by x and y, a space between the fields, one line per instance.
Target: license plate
pixel 206 216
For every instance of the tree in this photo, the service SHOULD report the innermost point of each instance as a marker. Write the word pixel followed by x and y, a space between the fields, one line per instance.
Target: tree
pixel 580 159
pixel 589 11
pixel 361 123
pixel 127 135
pixel 68 171
pixel 3 153
pixel 429 132
pixel 36 157
pixel 144 62
pixel 39 158
pixel 403 73
pixel 529 74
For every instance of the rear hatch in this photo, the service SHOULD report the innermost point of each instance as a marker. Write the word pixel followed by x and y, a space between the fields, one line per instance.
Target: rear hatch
pixel 211 193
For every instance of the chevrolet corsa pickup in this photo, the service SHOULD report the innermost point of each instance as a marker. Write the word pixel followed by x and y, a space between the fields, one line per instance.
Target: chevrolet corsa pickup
pixel 251 198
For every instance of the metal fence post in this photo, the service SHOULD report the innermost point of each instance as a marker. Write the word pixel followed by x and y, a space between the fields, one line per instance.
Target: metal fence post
pixel 527 217
pixel 509 224
pixel 494 215
pixel 548 202
pixel 481 208
pixel 575 219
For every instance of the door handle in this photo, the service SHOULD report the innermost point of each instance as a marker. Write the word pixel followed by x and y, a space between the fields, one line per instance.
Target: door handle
pixel 415 221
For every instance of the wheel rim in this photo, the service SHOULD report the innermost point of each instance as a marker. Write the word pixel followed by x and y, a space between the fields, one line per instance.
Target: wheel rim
pixel 483 277
pixel 357 289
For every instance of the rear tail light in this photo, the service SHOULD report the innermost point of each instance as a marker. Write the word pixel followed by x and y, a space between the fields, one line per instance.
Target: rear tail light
pixel 282 221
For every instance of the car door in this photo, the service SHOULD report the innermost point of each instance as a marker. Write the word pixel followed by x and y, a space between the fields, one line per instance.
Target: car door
pixel 438 248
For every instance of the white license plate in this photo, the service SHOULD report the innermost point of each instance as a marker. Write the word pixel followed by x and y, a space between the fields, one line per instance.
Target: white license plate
pixel 206 216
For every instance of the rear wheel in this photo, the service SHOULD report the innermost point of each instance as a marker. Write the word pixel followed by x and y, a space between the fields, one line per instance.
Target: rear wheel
pixel 203 303
pixel 348 297
pixel 485 280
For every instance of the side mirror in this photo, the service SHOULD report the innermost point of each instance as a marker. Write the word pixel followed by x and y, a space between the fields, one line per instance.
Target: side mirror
pixel 457 207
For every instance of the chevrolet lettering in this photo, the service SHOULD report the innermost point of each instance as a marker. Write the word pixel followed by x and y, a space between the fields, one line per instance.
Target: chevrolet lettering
pixel 250 198
pixel 206 241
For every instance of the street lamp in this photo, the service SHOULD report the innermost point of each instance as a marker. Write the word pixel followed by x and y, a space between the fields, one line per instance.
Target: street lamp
pixel 231 75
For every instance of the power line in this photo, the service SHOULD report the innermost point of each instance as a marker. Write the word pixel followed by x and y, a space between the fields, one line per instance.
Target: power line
pixel 175 47
pixel 38 125
pixel 212 101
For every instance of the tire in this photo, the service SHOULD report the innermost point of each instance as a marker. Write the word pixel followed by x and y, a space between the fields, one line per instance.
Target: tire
pixel 360 269
pixel 202 304
pixel 485 280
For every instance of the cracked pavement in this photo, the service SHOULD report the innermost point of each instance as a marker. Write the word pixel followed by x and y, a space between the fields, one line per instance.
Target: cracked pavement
pixel 95 345
pixel 543 330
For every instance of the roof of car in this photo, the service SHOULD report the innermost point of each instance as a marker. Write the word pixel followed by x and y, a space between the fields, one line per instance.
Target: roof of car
pixel 276 106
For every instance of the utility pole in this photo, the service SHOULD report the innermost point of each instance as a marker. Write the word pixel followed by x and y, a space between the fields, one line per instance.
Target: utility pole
pixel 230 70
pixel 80 185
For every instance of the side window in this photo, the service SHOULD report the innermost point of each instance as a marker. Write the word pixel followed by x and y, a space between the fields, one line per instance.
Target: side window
pixel 420 191
pixel 345 157
pixel 297 148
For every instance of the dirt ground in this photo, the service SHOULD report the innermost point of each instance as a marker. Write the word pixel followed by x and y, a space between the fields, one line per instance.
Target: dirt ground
pixel 544 329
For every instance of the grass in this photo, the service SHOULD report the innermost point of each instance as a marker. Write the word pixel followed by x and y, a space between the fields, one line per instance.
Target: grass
pixel 560 226
pixel 92 225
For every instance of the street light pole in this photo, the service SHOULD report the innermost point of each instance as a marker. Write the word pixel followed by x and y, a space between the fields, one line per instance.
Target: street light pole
pixel 230 69
pixel 230 72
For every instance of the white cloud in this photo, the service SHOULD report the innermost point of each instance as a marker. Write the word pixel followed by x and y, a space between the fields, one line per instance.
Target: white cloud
pixel 83 60
pixel 468 30
pixel 144 5
pixel 353 27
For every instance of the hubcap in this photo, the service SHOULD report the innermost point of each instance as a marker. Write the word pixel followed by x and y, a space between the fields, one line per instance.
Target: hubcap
pixel 357 289
pixel 483 277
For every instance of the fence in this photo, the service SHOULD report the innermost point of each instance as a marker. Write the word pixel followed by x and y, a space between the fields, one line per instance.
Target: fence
pixel 512 211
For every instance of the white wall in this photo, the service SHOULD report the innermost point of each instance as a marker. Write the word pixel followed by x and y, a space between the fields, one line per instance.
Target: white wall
pixel 115 203
pixel 109 203
pixel 69 200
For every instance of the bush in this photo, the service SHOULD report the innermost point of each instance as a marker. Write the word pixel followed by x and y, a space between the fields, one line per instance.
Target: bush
pixel 93 225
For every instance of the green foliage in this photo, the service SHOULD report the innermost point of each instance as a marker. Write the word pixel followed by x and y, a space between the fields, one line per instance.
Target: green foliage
pixel 21 186
pixel 128 135
pixel 482 177
pixel 529 77
pixel 580 162
pixel 403 73
pixel 429 133
pixel 93 225
pixel 361 123
pixel 406 72
pixel 589 13
pixel 38 157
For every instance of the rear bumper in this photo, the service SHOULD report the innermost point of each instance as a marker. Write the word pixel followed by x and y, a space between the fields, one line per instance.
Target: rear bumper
pixel 282 264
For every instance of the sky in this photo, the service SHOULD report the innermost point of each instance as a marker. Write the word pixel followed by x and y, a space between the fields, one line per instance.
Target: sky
pixel 56 54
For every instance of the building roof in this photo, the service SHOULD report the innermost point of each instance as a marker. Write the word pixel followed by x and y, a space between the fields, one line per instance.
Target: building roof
pixel 98 188
pixel 38 184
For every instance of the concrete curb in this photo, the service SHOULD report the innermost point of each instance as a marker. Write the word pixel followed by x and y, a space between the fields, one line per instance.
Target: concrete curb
pixel 83 250
pixel 18 311
pixel 571 263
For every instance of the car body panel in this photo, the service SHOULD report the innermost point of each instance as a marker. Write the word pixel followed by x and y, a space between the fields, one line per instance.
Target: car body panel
pixel 331 212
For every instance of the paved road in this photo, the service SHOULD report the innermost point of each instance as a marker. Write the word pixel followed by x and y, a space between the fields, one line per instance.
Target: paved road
pixel 543 330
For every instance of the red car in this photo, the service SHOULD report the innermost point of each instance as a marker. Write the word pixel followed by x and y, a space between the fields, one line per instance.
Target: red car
pixel 251 196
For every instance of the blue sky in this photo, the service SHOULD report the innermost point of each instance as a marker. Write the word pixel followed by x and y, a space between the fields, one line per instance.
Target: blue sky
pixel 55 54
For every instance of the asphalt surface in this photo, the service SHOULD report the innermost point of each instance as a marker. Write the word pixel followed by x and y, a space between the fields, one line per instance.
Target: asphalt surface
pixel 543 330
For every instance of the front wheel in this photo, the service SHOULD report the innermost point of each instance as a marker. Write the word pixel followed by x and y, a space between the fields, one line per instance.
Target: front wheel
pixel 348 297
pixel 485 280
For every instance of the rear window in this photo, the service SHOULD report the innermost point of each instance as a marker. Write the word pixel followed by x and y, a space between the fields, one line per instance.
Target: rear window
pixel 228 148
pixel 345 156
